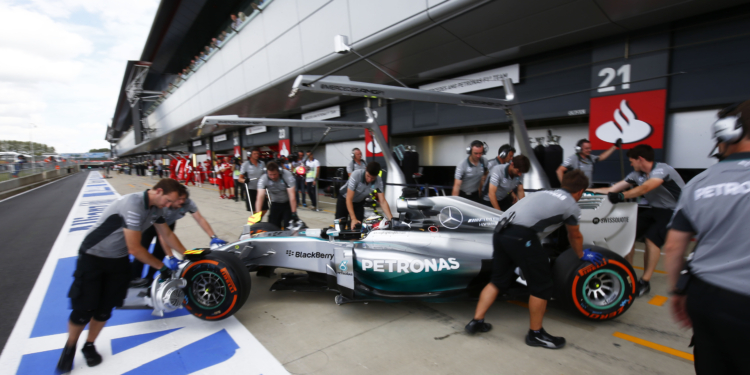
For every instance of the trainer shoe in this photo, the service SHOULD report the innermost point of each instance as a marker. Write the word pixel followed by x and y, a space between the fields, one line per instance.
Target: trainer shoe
pixel 92 357
pixel 65 364
pixel 304 204
pixel 475 326
pixel 544 340
pixel 644 287
pixel 140 283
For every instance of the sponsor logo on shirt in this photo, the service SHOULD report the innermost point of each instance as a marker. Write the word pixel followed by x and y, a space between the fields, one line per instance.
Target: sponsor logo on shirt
pixel 729 188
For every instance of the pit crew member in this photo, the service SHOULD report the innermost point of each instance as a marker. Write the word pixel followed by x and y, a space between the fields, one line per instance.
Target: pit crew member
pixel 279 184
pixel 470 173
pixel 250 172
pixel 661 185
pixel 102 272
pixel 351 200
pixel 356 163
pixel 715 208
pixel 584 161
pixel 504 188
pixel 516 244
pixel 505 154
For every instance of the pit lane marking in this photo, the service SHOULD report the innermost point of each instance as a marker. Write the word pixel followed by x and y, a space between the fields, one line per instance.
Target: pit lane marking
pixel 658 300
pixel 655 346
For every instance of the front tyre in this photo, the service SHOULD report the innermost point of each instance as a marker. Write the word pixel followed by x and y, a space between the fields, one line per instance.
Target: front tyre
pixel 596 292
pixel 217 286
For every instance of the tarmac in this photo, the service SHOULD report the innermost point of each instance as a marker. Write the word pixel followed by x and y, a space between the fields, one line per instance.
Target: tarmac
pixel 308 333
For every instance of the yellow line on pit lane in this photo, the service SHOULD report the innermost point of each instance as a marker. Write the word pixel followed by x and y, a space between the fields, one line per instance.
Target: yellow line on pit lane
pixel 131 185
pixel 655 346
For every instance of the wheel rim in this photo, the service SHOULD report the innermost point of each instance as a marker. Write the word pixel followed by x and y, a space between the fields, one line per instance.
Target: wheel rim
pixel 603 289
pixel 208 289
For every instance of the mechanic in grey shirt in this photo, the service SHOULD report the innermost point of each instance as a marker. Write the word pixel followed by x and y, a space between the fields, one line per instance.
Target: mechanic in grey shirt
pixel 505 154
pixel 352 195
pixel 661 185
pixel 102 272
pixel 278 183
pixel 516 243
pixel 584 161
pixel 250 173
pixel 715 209
pixel 504 187
pixel 356 163
pixel 470 173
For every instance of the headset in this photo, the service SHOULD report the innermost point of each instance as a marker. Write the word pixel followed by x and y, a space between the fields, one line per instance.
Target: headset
pixel 355 149
pixel 728 128
pixel 504 150
pixel 477 143
pixel 579 145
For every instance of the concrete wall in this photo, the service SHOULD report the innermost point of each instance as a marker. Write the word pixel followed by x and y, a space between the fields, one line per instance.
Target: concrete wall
pixel 36 178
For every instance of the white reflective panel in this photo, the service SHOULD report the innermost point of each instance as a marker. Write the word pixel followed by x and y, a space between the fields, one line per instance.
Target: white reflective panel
pixel 219 95
pixel 235 83
pixel 232 50
pixel 204 102
pixel 278 18
pixel 285 54
pixel 215 66
pixel 201 78
pixel 307 7
pixel 319 29
pixel 369 17
pixel 339 154
pixel 252 37
pixel 255 71
pixel 689 139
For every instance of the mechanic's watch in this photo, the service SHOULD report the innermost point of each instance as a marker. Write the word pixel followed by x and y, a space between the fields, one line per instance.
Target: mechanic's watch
pixel 214 237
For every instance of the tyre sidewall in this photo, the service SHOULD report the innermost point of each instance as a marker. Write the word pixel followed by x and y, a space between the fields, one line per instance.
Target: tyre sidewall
pixel 215 267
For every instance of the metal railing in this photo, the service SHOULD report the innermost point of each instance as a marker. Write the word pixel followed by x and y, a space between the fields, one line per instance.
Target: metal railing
pixel 18 170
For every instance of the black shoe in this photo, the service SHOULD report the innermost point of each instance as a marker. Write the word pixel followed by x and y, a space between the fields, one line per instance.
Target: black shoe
pixel 644 287
pixel 475 326
pixel 544 340
pixel 92 357
pixel 65 364
pixel 140 283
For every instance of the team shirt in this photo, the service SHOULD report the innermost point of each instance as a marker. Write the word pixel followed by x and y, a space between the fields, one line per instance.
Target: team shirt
pixel 106 238
pixel 545 210
pixel 586 165
pixel 505 184
pixel 253 173
pixel 171 215
pixel 664 196
pixel 312 170
pixel 353 166
pixel 360 187
pixel 470 174
pixel 492 163
pixel 217 172
pixel 715 205
pixel 277 189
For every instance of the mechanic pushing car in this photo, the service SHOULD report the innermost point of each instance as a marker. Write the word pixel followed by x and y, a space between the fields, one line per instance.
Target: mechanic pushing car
pixel 250 172
pixel 516 244
pixel 504 188
pixel 713 296
pixel 351 200
pixel 584 161
pixel 470 173
pixel 661 185
pixel 279 184
pixel 102 272
pixel 171 214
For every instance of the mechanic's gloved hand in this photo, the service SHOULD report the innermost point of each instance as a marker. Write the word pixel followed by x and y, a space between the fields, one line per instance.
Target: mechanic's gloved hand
pixel 616 197
pixel 295 217
pixel 216 241
pixel 618 143
pixel 590 256
pixel 172 263
pixel 165 273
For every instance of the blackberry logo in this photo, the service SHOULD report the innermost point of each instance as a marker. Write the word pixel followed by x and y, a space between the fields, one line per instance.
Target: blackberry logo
pixel 610 220
pixel 290 253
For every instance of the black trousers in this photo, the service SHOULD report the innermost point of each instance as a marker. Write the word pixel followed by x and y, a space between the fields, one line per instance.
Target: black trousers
pixel 721 328
pixel 300 188
pixel 311 192
pixel 472 197
pixel 251 200
pixel 99 284
pixel 136 267
pixel 280 214
pixel 518 246
pixel 342 211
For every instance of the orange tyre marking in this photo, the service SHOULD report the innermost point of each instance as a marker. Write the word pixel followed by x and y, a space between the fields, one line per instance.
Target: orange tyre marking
pixel 199 262
pixel 234 300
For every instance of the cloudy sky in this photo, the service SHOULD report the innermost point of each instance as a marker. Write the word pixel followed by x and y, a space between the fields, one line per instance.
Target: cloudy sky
pixel 62 67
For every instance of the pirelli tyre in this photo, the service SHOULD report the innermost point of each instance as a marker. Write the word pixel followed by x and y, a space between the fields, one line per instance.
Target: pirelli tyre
pixel 217 286
pixel 600 292
pixel 263 227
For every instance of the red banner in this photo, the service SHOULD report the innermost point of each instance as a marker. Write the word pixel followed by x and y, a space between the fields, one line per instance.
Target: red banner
pixel 237 151
pixel 637 118
pixel 372 148
pixel 284 147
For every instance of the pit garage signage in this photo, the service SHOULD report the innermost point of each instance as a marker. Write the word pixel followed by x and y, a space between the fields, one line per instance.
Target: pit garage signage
pixel 373 149
pixel 638 118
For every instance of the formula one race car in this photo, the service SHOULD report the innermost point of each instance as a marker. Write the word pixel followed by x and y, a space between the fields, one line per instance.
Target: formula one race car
pixel 440 249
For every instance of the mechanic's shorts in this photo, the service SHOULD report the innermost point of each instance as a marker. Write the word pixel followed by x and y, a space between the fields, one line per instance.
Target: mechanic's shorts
pixel 652 224
pixel 518 246
pixel 281 214
pixel 99 283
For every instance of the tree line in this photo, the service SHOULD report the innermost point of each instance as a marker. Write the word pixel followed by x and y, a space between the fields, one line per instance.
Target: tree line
pixel 24 147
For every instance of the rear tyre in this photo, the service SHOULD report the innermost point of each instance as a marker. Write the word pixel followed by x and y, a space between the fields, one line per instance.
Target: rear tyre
pixel 263 227
pixel 217 286
pixel 595 292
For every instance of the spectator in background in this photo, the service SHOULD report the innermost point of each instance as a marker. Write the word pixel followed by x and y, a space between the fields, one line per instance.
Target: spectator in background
pixel 311 178
pixel 171 88
pixel 298 169
pixel 223 37
pixel 192 65
pixel 242 17
pixel 238 191
pixel 235 22
pixel 215 43
pixel 203 56
pixel 208 50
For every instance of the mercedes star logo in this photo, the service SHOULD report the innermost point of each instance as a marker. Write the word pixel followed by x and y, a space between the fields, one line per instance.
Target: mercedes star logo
pixel 451 217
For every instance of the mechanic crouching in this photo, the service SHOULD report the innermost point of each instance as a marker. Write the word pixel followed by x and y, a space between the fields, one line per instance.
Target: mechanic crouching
pixel 102 272
pixel 516 244
pixel 279 184
pixel 351 201
pixel 504 188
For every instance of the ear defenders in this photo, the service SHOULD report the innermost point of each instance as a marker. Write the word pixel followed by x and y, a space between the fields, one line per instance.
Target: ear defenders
pixel 504 150
pixel 355 149
pixel 579 145
pixel 481 144
pixel 727 129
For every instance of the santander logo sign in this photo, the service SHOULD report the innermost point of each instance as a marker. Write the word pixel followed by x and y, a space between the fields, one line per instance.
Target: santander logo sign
pixel 637 118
